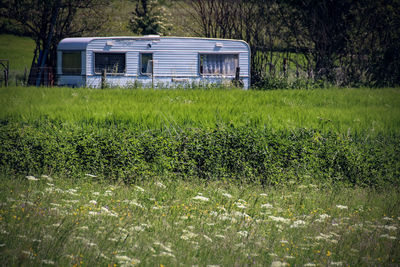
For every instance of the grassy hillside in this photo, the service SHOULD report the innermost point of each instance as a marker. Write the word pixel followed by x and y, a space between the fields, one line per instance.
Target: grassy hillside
pixel 19 50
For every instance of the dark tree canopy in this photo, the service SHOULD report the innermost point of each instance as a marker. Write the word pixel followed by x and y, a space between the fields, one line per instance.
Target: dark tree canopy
pixel 343 42
pixel 55 19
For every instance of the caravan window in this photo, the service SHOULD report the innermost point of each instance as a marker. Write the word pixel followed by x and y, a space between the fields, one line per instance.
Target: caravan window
pixel 111 62
pixel 71 63
pixel 146 63
pixel 218 64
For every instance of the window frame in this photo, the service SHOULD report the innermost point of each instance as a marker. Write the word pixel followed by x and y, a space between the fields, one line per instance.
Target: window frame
pixel 63 52
pixel 200 70
pixel 109 53
pixel 141 63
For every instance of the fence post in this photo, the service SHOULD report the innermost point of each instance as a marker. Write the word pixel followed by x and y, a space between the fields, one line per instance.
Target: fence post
pixel 103 79
pixel 25 81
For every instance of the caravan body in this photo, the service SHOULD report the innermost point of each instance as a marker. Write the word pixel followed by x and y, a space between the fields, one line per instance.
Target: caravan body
pixel 151 61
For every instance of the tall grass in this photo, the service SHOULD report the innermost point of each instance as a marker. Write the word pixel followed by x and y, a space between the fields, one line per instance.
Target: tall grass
pixel 64 222
pixel 358 111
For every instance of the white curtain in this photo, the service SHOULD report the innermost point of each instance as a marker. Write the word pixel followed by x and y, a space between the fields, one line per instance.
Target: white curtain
pixel 219 64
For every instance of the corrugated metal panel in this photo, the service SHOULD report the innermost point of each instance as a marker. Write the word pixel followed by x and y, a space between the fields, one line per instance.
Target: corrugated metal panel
pixel 132 63
pixel 173 57
pixel 74 81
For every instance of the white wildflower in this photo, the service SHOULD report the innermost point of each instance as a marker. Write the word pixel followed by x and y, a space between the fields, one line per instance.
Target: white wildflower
pixel 56 225
pixel 240 205
pixel 134 203
pixel 278 264
pixel 341 207
pixel 90 244
pixel 188 235
pixel 71 191
pixel 138 228
pixel 159 184
pixel 227 195
pixel 207 238
pixel 263 195
pixel 220 236
pixel 108 193
pixel 167 254
pixel 108 212
pixel 201 198
pixel 96 193
pixel 93 213
pixel 139 188
pixel 324 216
pixel 104 256
pixel 266 206
pixel 309 264
pixel 298 223
pixel 74 201
pixel 122 258
pixel 337 263
pixel 240 214
pixel 164 247
pixel 387 219
pixel 289 257
pixel 273 255
pixel 93 202
pixel 48 178
pixel 32 178
pixel 279 219
pixel 390 227
pixel 243 233
pixel 388 236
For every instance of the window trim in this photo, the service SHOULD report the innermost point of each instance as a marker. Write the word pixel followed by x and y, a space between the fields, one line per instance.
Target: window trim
pixel 217 53
pixel 62 62
pixel 140 63
pixel 103 52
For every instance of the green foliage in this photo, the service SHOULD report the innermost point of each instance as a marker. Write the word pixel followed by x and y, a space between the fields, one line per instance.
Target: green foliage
pixel 224 152
pixel 148 17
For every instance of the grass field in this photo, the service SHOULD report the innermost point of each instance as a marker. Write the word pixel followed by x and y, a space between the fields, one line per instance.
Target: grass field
pixel 365 111
pixel 64 222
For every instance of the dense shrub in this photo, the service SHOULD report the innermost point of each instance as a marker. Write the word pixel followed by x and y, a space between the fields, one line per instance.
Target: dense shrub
pixel 223 152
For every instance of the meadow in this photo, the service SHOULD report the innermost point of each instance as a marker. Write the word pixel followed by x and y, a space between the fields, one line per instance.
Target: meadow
pixel 218 177
pixel 163 222
pixel 341 110
pixel 197 177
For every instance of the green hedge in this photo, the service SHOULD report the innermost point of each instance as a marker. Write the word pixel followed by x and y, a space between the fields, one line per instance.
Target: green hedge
pixel 224 152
